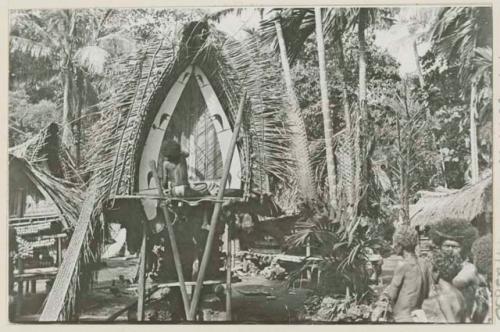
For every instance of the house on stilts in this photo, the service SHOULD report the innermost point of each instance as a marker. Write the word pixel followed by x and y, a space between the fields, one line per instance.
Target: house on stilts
pixel 220 101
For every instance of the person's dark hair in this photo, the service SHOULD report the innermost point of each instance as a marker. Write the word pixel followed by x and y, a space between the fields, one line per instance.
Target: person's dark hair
pixel 171 151
pixel 481 253
pixel 456 230
pixel 405 236
pixel 447 264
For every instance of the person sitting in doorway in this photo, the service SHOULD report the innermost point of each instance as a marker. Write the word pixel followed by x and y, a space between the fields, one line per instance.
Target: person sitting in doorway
pixel 175 166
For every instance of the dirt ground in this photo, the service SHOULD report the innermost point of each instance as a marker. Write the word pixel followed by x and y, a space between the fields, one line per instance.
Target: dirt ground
pixel 254 299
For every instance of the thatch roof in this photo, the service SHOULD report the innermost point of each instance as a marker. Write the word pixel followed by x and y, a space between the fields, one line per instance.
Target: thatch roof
pixel 47 151
pixel 231 67
pixel 467 204
pixel 65 195
pixel 44 166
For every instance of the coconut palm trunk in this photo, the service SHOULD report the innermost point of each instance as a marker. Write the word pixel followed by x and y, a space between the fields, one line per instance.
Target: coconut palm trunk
pixel 325 108
pixel 362 125
pixel 299 148
pixel 362 22
pixel 66 105
pixel 349 191
pixel 417 63
pixel 474 164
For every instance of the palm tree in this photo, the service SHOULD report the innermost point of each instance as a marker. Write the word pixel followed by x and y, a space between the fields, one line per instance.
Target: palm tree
pixel 458 35
pixel 70 39
pixel 325 107
pixel 300 145
pixel 362 18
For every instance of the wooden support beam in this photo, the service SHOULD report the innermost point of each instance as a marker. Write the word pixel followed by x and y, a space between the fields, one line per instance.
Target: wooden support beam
pixel 217 209
pixel 59 251
pixel 142 275
pixel 56 300
pixel 228 274
pixel 173 241
pixel 33 286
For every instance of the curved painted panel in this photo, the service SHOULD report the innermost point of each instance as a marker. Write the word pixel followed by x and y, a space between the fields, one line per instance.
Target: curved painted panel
pixel 151 151
pixel 152 146
pixel 222 127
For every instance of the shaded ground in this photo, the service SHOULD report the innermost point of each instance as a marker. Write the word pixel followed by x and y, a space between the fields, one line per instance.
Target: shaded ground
pixel 281 306
pixel 275 303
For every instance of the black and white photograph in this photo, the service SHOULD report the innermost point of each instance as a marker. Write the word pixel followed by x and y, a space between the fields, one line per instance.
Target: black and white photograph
pixel 251 165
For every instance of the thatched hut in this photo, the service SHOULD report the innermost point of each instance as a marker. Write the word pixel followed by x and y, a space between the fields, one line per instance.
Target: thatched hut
pixel 43 207
pixel 473 203
pixel 186 90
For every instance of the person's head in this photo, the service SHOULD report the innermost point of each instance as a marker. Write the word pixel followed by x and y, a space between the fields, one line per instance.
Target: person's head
pixel 453 235
pixel 446 265
pixel 481 253
pixel 405 238
pixel 171 150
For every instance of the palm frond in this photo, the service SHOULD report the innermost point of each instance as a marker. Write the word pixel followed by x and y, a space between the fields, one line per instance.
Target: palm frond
pixel 92 58
pixel 30 47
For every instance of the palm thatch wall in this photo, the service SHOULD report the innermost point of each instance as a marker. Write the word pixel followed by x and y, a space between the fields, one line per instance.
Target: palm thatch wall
pixel 117 139
pixel 473 203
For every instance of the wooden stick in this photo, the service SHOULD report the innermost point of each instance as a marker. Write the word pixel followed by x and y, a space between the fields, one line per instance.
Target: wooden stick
pixel 173 242
pixel 59 252
pixel 217 209
pixel 228 274
pixel 142 276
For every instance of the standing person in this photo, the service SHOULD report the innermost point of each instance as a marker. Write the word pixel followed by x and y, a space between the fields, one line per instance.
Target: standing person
pixel 457 236
pixel 448 303
pixel 411 281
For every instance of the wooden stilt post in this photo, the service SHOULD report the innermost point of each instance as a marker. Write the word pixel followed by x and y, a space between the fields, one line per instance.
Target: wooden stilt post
pixel 217 209
pixel 59 252
pixel 141 287
pixel 229 263
pixel 173 242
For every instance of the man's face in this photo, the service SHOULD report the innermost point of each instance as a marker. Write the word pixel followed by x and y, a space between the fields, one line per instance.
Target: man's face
pixel 398 249
pixel 451 246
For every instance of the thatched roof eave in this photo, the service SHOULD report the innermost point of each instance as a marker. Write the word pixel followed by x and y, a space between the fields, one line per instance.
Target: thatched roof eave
pixel 466 204
pixel 64 195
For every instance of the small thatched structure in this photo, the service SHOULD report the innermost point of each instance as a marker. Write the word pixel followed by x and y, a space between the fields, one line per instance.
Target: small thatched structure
pixel 45 195
pixel 473 203
pixel 160 83
pixel 43 169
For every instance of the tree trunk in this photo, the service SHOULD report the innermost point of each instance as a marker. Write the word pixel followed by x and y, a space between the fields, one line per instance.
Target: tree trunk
pixel 417 64
pixel 349 191
pixel 66 116
pixel 403 164
pixel 362 61
pixel 362 125
pixel 325 108
pixel 474 160
pixel 80 100
pixel 300 148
